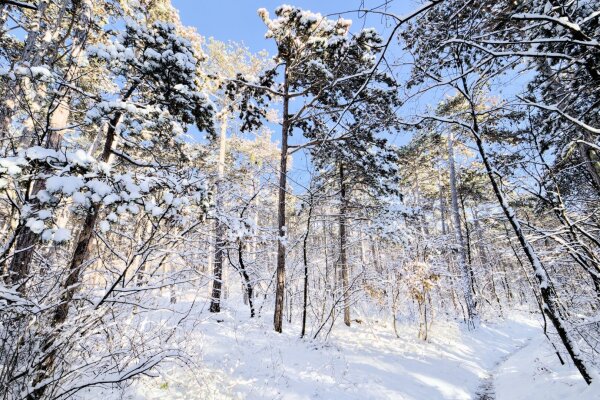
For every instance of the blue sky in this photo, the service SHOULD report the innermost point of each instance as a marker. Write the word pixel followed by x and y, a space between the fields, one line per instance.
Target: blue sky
pixel 238 21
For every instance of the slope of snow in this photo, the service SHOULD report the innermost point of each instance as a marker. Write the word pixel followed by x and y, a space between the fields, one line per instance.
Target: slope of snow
pixel 535 373
pixel 241 358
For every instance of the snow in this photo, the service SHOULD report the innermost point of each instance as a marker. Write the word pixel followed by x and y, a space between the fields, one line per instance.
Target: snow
pixel 534 373
pixel 78 198
pixel 43 196
pixel 10 166
pixel 287 14
pixel 112 217
pixel 9 296
pixel 36 225
pixel 57 235
pixel 66 184
pixel 104 226
pixel 242 358
pixel 47 235
pixel 145 186
pixel 41 153
pixel 168 198
pixel 80 157
pixel 62 235
pixel 111 198
pixel 41 73
pixel 44 214
pixel 98 187
pixel 156 211
pixel 564 21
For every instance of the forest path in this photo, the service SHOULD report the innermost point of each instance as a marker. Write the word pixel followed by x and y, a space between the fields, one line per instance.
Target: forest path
pixel 241 358
pixel 245 359
pixel 535 373
pixel 487 389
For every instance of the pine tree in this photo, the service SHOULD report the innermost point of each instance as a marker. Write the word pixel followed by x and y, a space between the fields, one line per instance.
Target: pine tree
pixel 325 71
pixel 439 44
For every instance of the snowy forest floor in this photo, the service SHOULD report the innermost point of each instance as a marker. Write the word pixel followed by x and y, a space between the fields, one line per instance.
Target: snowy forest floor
pixel 242 358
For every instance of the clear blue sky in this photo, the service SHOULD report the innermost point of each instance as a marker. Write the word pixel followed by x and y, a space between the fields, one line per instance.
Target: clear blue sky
pixel 237 20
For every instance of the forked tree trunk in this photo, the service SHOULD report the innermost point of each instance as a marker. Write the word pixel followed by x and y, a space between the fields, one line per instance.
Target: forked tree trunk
pixel 26 240
pixel 465 268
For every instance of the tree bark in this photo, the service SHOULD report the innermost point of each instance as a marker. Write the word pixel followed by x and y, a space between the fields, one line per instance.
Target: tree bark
pixel 78 260
pixel 247 282
pixel 343 245
pixel 217 283
pixel 550 302
pixel 27 241
pixel 32 54
pixel 466 274
pixel 280 288
pixel 82 248
pixel 589 158
pixel 442 204
pixel 305 260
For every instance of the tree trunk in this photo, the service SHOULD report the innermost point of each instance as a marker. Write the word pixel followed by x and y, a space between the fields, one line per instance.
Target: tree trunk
pixel 343 245
pixel 280 288
pixel 550 302
pixel 363 258
pixel 58 118
pixel 305 260
pixel 31 54
pixel 82 249
pixel 467 286
pixel 442 204
pixel 327 292
pixel 248 289
pixel 217 283
pixel 79 258
pixel 590 159
pixel 469 246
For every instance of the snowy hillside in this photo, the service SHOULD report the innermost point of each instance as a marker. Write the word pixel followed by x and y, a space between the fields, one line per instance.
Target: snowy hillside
pixel 344 199
pixel 241 358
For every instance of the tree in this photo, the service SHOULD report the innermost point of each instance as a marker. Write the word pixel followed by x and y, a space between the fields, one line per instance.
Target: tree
pixel 225 62
pixel 138 164
pixel 325 71
pixel 443 61
pixel 56 112
pixel 464 263
pixel 363 163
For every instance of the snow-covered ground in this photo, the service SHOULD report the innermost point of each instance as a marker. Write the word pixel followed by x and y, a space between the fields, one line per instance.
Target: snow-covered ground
pixel 240 358
pixel 534 373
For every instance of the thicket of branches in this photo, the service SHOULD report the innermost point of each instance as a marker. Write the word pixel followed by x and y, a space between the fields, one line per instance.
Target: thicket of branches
pixel 139 178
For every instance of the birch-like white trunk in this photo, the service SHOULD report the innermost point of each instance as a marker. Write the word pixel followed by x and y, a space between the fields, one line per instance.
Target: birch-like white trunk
pixel 465 272
pixel 217 283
